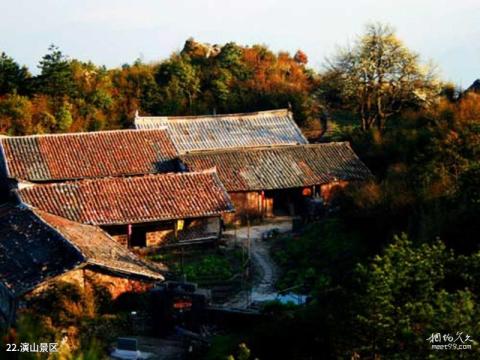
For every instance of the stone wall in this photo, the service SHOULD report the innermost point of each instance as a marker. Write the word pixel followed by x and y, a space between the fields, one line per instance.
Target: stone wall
pixel 116 285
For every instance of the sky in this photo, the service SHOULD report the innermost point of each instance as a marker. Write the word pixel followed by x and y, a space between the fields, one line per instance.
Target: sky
pixel 114 32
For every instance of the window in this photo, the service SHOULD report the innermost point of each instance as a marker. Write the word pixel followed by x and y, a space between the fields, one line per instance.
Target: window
pixel 138 237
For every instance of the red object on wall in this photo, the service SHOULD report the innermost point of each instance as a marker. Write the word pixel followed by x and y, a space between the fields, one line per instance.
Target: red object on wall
pixel 307 191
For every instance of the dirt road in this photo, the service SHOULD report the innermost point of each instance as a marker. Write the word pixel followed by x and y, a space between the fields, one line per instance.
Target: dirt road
pixel 266 270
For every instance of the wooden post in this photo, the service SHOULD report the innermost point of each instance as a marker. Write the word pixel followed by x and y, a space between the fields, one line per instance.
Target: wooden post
pixel 175 231
pixel 248 242
pixel 263 205
pixel 247 269
pixel 184 279
pixel 129 235
pixel 235 235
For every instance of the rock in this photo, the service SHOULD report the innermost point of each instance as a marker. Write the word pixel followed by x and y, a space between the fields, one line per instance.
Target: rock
pixel 198 49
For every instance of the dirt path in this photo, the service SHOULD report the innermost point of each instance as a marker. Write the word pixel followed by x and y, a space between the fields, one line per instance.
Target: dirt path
pixel 264 281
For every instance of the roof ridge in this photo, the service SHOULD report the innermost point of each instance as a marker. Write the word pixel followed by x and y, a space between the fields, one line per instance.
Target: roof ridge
pixel 163 128
pixel 113 152
pixel 190 117
pixel 262 148
pixel 119 270
pixel 107 178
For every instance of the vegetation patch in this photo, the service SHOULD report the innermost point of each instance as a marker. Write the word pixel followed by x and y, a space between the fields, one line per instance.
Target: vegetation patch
pixel 315 259
pixel 204 266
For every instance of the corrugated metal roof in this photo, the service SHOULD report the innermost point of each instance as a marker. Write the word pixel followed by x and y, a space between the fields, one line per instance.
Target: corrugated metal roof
pixel 88 155
pixel 140 199
pixel 194 133
pixel 36 247
pixel 280 167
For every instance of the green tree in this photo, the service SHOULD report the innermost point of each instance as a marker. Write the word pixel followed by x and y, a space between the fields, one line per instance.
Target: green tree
pixel 56 78
pixel 407 294
pixel 180 80
pixel 13 77
pixel 63 118
pixel 380 77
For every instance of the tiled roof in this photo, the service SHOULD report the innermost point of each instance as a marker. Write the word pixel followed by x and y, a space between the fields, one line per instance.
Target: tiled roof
pixel 280 167
pixel 36 247
pixel 30 252
pixel 100 250
pixel 87 155
pixel 194 133
pixel 139 199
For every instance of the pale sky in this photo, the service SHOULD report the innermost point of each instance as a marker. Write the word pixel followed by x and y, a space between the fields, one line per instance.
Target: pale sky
pixel 113 32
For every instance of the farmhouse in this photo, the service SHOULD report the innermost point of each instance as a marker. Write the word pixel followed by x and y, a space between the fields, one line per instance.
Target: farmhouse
pixel 215 132
pixel 158 184
pixel 278 180
pixel 262 158
pixel 149 210
pixel 37 248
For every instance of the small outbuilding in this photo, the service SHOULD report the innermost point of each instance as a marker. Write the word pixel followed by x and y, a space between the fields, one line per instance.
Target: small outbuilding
pixel 37 248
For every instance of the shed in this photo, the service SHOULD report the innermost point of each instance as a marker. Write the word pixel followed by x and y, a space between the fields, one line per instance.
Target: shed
pixel 37 248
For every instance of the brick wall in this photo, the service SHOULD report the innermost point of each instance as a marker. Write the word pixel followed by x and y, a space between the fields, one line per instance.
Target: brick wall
pixel 122 239
pixel 159 237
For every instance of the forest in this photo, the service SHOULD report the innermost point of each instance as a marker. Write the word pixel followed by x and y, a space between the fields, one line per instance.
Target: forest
pixel 400 261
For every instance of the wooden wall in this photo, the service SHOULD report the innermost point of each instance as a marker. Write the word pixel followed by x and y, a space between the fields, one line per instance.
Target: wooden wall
pixel 260 205
pixel 251 204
